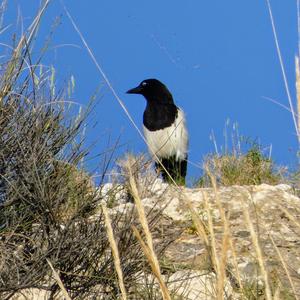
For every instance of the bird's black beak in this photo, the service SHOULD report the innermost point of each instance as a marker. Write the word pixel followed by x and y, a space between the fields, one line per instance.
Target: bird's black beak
pixel 136 90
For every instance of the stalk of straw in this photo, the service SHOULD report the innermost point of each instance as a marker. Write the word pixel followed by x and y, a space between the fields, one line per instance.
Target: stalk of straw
pixel 298 92
pixel 115 251
pixel 258 253
pixel 290 216
pixel 225 240
pixel 282 67
pixel 153 264
pixel 211 230
pixel 285 268
pixel 148 246
pixel 58 280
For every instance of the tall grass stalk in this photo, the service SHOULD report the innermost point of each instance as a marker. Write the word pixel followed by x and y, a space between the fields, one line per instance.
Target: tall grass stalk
pixel 283 70
pixel 151 256
pixel 235 263
pixel 297 66
pixel 284 267
pixel 147 247
pixel 260 258
pixel 200 226
pixel 215 259
pixel 115 251
pixel 13 68
pixel 290 216
pixel 225 241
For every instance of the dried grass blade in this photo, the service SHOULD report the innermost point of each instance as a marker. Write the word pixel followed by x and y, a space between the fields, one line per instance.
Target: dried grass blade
pixel 58 280
pixel 153 264
pixel 259 254
pixel 115 252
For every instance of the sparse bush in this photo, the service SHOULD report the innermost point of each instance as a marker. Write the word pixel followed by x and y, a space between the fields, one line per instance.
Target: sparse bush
pixel 240 167
pixel 47 201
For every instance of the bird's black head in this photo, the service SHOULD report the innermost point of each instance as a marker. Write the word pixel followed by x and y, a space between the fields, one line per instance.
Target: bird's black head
pixel 153 90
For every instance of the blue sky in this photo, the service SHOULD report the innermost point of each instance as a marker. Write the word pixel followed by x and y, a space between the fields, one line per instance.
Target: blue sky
pixel 218 58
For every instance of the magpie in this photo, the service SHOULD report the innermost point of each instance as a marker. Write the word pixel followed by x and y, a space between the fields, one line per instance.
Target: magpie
pixel 165 130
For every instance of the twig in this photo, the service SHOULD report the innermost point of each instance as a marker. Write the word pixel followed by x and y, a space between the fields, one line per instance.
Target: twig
pixel 58 280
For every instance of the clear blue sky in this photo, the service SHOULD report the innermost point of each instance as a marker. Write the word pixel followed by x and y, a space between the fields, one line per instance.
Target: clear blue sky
pixel 218 58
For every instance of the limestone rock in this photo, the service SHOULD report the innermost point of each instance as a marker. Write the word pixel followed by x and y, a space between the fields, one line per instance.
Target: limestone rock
pixel 274 214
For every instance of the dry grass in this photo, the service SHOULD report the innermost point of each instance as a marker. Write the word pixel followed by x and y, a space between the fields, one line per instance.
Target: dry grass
pixel 46 199
pixel 284 265
pixel 45 202
pixel 115 251
pixel 252 168
pixel 260 258
pixel 297 68
pixel 59 282
pixel 218 258
pixel 282 66
pixel 218 251
pixel 147 246
pixel 225 243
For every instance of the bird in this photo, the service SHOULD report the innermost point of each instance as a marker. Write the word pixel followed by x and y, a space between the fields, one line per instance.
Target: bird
pixel 165 130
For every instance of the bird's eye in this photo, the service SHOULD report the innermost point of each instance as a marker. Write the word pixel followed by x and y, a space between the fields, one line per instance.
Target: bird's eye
pixel 144 83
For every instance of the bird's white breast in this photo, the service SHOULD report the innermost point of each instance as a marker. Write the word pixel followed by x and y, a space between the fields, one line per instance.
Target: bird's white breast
pixel 172 140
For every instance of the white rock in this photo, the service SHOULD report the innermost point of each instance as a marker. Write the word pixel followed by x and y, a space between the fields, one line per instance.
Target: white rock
pixel 196 285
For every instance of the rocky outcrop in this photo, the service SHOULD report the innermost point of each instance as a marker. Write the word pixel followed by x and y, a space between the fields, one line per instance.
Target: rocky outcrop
pixel 273 214
pixel 252 231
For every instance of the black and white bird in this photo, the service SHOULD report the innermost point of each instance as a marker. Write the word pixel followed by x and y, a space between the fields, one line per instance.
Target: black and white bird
pixel 164 129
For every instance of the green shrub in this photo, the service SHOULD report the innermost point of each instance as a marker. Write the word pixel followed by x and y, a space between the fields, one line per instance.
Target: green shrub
pixel 251 168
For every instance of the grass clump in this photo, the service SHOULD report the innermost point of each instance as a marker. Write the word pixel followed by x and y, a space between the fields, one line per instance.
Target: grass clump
pixel 239 161
pixel 237 168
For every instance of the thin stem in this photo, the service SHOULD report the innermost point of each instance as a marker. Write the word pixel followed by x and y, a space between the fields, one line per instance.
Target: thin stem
pixel 282 67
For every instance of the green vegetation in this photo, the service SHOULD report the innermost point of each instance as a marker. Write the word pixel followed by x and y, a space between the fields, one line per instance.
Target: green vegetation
pixel 54 232
pixel 251 168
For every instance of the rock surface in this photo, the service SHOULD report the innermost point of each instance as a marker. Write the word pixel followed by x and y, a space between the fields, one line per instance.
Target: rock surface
pixel 274 215
pixel 268 215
